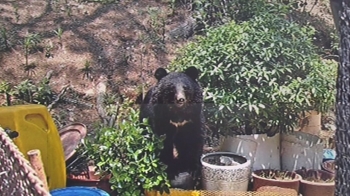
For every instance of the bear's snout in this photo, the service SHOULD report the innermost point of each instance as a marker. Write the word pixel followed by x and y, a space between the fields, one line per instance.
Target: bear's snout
pixel 180 100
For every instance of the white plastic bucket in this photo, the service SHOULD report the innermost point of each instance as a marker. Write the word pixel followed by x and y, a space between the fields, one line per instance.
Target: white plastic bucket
pixel 244 147
pixel 299 150
pixel 267 154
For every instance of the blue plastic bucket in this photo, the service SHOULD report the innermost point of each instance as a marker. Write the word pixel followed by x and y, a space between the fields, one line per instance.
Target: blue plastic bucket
pixel 79 191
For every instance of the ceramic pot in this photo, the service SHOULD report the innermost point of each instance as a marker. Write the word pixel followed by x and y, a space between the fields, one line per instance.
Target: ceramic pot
pixel 225 171
pixel 259 180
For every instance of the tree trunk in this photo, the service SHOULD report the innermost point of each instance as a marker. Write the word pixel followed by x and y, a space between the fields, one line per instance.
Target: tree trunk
pixel 343 105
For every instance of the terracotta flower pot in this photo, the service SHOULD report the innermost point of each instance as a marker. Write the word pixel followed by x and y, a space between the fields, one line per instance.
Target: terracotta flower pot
pixel 316 182
pixel 71 136
pixel 90 179
pixel 261 178
pixel 329 166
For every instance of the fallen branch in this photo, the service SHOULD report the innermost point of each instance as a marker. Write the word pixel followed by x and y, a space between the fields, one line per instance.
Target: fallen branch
pixel 101 90
pixel 59 96
pixel 49 75
pixel 107 119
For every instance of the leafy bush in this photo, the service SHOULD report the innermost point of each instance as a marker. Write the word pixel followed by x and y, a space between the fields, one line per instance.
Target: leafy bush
pixel 247 70
pixel 130 154
pixel 30 92
pixel 317 91
pixel 212 13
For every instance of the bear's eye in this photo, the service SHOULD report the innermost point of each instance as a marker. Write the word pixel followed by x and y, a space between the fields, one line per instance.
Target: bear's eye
pixel 186 88
pixel 170 97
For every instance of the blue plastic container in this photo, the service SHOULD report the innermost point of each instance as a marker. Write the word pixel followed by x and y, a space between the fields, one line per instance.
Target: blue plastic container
pixel 79 191
pixel 328 154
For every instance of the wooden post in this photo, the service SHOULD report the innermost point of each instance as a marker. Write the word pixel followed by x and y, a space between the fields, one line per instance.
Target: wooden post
pixel 38 166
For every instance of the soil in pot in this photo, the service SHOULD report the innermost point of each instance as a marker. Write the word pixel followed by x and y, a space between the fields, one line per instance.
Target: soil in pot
pixel 224 160
pixel 316 182
pixel 269 177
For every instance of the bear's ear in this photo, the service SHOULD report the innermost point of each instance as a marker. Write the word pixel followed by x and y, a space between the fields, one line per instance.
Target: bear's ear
pixel 160 73
pixel 192 72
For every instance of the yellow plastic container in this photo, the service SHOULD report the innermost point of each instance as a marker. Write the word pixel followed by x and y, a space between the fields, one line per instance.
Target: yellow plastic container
pixel 37 131
pixel 175 192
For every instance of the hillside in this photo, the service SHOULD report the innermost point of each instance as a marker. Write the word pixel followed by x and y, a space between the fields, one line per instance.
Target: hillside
pixel 84 43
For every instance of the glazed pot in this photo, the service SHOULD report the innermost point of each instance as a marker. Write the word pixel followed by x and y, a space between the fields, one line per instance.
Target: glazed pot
pixel 264 177
pixel 225 171
pixel 316 182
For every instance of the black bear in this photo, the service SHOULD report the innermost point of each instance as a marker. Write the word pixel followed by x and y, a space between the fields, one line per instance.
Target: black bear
pixel 174 108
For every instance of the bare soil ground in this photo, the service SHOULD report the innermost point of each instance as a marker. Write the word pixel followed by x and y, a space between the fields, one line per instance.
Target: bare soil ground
pixel 121 41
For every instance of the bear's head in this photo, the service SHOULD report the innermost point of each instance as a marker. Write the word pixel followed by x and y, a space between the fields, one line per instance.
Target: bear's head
pixel 177 90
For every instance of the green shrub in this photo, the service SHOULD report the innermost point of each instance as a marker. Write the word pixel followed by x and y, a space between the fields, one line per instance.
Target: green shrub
pixel 212 13
pixel 247 69
pixel 130 154
pixel 28 91
pixel 317 91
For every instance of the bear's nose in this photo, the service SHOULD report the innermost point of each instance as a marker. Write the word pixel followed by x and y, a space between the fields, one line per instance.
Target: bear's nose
pixel 181 100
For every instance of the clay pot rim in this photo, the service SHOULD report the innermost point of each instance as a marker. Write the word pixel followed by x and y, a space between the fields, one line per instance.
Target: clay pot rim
pixel 75 178
pixel 68 129
pixel 297 176
pixel 330 184
pixel 241 165
pixel 322 172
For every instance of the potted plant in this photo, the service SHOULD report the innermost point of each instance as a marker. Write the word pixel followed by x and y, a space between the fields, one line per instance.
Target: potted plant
pixel 128 155
pixel 225 171
pixel 251 74
pixel 316 93
pixel 250 80
pixel 80 172
pixel 316 182
pixel 270 177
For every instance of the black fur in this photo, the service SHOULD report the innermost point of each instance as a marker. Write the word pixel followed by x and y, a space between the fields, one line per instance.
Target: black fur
pixel 174 108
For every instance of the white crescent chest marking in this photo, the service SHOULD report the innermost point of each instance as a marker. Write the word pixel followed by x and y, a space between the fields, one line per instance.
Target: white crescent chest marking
pixel 179 124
